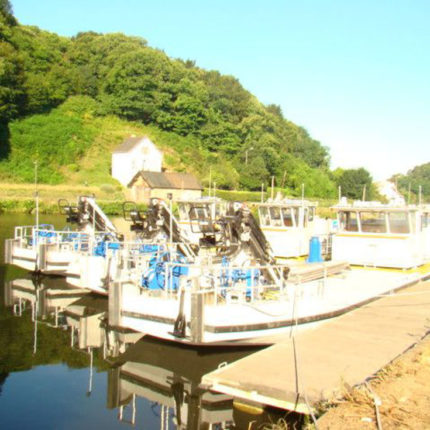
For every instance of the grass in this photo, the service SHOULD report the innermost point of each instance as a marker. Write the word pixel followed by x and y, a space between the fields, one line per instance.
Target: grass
pixel 110 196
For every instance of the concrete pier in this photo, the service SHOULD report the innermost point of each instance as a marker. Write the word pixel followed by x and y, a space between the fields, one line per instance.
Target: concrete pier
pixel 321 363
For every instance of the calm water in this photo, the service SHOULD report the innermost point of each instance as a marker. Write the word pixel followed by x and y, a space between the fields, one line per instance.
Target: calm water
pixel 61 367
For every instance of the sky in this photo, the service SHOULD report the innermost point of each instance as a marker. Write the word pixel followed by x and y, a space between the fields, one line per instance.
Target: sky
pixel 355 74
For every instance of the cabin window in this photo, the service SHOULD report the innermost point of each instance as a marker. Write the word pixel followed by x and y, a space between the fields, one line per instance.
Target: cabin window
pixel 311 214
pixel 413 221
pixel 275 217
pixel 288 214
pixel 264 216
pixel 306 216
pixel 425 220
pixel 183 212
pixel 216 209
pixel 198 213
pixel 399 222
pixel 296 212
pixel 373 222
pixel 348 221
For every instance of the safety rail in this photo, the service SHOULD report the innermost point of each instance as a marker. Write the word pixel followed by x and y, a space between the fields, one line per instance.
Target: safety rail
pixel 166 272
pixel 31 236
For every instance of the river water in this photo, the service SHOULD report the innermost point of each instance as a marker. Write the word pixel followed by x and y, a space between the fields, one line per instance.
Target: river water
pixel 62 367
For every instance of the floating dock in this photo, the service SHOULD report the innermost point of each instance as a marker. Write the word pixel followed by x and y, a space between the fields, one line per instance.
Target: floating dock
pixel 319 364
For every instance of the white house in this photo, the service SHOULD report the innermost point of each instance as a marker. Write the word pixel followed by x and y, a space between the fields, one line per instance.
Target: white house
pixel 134 155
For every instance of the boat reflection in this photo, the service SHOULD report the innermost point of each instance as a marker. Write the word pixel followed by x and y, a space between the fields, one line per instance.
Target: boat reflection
pixel 170 376
pixel 148 380
pixel 47 297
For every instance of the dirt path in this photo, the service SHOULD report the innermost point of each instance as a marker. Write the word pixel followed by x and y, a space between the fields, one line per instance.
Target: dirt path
pixel 403 389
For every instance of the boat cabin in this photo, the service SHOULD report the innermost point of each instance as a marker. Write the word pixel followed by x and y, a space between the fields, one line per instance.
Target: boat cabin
pixel 425 225
pixel 372 234
pixel 197 217
pixel 288 226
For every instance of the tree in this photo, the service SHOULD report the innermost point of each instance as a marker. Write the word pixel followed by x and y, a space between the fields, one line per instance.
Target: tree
pixel 353 181
pixel 7 12
pixel 416 177
pixel 11 83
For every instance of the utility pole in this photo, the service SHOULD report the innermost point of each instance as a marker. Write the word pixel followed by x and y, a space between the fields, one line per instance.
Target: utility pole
pixel 36 193
pixel 273 187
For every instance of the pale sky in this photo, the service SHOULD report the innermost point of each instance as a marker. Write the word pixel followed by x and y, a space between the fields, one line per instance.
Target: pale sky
pixel 355 74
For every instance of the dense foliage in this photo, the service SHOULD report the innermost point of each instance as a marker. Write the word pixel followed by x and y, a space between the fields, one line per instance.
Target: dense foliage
pixel 355 184
pixel 224 128
pixel 410 183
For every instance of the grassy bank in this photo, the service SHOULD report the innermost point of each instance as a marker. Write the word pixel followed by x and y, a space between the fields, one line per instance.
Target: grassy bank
pixel 21 197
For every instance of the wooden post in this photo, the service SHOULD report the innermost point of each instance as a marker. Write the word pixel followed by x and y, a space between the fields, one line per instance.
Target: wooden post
pixel 115 303
pixel 114 388
pixel 8 247
pixel 41 256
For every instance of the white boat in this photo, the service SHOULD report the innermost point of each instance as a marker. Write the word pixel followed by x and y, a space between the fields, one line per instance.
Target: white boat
pixel 233 290
pixel 237 293
pixel 42 248
pixel 95 265
pixel 289 225
pixel 425 224
pixel 377 235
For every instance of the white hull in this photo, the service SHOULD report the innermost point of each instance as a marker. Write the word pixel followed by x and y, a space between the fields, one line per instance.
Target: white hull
pixel 300 305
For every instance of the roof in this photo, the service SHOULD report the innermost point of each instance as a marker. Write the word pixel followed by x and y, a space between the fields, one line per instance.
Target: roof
pixel 128 144
pixel 172 180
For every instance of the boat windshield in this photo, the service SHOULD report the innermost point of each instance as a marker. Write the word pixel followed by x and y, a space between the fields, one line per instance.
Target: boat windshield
pixel 399 222
pixel 275 216
pixel 288 216
pixel 199 213
pixel 425 220
pixel 373 222
pixel 348 221
pixel 264 216
pixel 184 210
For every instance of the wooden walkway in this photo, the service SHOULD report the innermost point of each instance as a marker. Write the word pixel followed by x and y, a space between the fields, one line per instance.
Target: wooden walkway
pixel 321 363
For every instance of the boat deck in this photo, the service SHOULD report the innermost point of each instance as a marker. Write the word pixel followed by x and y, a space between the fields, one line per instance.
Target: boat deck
pixel 319 364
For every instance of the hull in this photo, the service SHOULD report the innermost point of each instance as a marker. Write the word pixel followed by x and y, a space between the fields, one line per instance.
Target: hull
pixel 300 306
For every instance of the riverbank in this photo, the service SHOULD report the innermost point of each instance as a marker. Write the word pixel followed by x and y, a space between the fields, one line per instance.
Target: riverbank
pixel 21 197
pixel 400 392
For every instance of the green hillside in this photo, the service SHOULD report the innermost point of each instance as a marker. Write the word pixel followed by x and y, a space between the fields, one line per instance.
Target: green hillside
pixel 416 181
pixel 66 102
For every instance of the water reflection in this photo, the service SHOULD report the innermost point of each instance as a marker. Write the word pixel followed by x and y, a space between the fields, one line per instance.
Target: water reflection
pixel 58 341
pixel 170 376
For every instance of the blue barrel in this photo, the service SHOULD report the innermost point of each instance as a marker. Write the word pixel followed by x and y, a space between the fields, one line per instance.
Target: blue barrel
pixel 314 250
